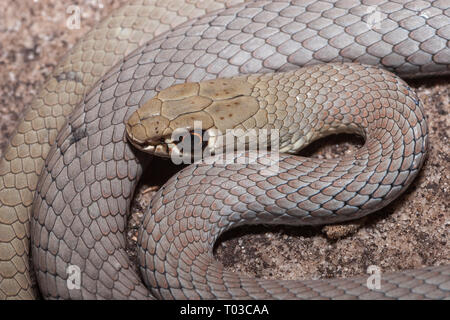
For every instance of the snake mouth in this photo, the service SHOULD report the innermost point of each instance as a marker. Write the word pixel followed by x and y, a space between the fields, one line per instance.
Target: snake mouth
pixel 161 148
pixel 187 144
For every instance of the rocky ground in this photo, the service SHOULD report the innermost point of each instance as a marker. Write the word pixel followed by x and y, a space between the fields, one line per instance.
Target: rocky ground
pixel 410 233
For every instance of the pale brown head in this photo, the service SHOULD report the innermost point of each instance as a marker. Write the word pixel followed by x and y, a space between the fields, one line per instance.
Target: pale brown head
pixel 179 116
pixel 161 137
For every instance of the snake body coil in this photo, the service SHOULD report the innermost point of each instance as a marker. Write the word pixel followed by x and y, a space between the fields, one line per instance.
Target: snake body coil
pixel 209 197
pixel 90 172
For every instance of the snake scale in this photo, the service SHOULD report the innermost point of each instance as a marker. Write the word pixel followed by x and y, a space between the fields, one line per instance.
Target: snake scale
pixel 86 185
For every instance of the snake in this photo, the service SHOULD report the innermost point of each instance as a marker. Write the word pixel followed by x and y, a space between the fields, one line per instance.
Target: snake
pixel 85 184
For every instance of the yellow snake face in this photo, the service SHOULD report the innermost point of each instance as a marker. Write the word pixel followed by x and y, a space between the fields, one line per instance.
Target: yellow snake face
pixel 194 116
pixel 146 137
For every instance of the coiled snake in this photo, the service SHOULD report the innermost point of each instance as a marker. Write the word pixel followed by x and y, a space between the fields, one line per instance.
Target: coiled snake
pixel 90 171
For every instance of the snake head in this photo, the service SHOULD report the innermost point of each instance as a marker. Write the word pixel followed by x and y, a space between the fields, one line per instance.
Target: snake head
pixel 186 118
pixel 149 134
pixel 153 133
